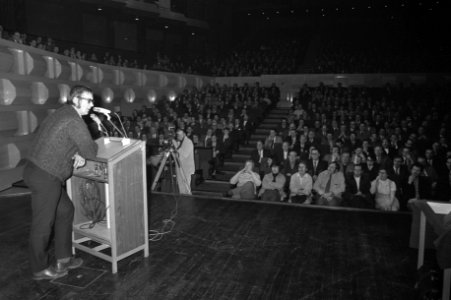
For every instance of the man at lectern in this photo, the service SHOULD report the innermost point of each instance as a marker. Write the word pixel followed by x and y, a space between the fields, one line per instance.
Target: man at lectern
pixel 185 150
pixel 62 143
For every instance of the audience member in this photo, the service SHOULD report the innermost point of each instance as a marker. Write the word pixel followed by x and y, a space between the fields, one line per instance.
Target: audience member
pixel 357 192
pixel 329 186
pixel 246 181
pixel 273 185
pixel 301 186
pixel 384 191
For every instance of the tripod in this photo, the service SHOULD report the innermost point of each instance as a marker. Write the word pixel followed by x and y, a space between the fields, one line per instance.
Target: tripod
pixel 180 175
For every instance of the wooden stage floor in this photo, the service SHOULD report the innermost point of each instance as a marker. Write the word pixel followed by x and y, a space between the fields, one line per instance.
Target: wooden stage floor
pixel 223 249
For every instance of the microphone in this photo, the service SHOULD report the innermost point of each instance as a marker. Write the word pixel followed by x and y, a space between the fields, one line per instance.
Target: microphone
pixel 103 111
pixel 97 121
pixel 100 126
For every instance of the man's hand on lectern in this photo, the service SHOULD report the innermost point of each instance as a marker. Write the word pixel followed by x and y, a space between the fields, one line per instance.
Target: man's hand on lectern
pixel 78 161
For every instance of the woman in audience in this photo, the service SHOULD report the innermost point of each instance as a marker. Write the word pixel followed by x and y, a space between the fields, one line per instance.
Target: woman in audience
pixel 384 191
pixel 301 186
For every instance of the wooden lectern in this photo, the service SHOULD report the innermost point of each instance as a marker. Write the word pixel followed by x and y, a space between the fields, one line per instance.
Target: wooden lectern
pixel 112 186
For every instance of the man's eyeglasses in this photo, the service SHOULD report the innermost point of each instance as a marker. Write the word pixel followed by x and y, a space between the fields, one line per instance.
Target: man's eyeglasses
pixel 90 100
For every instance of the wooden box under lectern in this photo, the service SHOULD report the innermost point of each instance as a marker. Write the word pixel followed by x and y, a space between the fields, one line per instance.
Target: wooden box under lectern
pixel 112 185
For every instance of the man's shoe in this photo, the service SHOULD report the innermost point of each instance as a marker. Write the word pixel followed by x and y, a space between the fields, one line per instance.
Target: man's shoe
pixel 48 274
pixel 73 263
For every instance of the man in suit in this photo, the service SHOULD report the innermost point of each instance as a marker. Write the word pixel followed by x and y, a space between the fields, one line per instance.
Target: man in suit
pixel 259 153
pixel 315 165
pixel 398 173
pixel 292 139
pixel 248 128
pixel 281 154
pixel 273 141
pixel 417 186
pixel 312 141
pixel 444 181
pixel 290 166
pixel 357 191
pixel 346 164
pixel 387 150
pixel 303 148
pixel 380 158
pixel 329 186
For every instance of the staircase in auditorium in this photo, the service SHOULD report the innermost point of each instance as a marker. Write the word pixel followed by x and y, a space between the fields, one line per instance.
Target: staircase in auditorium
pixel 220 185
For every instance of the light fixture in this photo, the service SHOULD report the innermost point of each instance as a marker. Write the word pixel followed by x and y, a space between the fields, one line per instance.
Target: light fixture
pixel 99 9
pixel 193 33
pixel 136 19
pixel 166 26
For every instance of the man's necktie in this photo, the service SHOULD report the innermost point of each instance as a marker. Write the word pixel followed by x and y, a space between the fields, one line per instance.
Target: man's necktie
pixel 328 184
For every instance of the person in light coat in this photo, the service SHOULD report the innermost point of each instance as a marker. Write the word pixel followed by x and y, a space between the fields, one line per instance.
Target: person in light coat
pixel 185 153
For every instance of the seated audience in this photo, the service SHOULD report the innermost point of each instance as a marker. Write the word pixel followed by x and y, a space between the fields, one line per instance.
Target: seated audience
pixel 265 166
pixel 246 181
pixel 329 186
pixel 273 185
pixel 384 191
pixel 281 154
pixel 301 186
pixel 417 185
pixel 399 174
pixel 357 192
pixel 259 153
pixel 371 168
pixel 444 181
pixel 290 166
pixel 315 165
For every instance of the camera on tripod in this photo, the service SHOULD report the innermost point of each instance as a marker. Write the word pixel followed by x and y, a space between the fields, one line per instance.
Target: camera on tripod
pixel 168 142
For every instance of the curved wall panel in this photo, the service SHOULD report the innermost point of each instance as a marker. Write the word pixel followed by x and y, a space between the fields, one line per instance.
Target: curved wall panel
pixel 7 92
pixel 6 60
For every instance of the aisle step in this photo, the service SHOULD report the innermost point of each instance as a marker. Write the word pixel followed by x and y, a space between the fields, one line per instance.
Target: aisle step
pixel 258 136
pixel 262 131
pixel 232 167
pixel 217 186
pixel 268 126
pixel 270 121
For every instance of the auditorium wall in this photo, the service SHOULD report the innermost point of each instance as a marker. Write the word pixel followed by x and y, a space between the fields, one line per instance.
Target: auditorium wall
pixel 33 83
